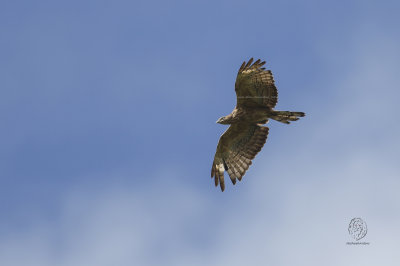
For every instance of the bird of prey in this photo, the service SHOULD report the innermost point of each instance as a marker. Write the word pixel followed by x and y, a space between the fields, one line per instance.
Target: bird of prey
pixel 256 98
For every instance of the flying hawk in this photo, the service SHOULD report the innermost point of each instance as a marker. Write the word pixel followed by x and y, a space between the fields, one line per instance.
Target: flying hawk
pixel 256 98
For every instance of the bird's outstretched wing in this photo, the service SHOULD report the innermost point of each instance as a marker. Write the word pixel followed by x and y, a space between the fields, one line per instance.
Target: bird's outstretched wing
pixel 236 148
pixel 255 86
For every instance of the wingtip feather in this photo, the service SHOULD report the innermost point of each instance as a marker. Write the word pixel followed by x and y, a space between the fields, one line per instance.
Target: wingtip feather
pixel 249 62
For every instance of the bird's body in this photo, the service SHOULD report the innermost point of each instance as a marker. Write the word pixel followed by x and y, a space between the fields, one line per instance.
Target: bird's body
pixel 256 98
pixel 247 114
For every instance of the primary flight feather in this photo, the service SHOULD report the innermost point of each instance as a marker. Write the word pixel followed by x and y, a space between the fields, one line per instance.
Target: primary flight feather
pixel 256 98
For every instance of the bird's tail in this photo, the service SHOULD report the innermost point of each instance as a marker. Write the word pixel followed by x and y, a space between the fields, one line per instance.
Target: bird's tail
pixel 286 116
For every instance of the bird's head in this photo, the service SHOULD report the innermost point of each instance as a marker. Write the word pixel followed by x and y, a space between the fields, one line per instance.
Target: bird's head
pixel 223 120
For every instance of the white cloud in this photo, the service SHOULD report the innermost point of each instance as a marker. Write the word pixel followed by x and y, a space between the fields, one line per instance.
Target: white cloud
pixel 294 214
pixel 296 219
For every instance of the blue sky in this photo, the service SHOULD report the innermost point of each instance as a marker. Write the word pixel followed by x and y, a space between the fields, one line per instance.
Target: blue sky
pixel 108 113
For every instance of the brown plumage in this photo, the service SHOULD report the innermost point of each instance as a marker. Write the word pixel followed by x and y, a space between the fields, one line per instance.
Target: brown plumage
pixel 256 97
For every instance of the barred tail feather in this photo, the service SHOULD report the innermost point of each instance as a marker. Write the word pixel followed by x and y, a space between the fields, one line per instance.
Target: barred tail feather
pixel 286 116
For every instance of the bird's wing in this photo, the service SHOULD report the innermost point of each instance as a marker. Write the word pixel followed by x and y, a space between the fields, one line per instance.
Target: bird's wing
pixel 236 148
pixel 255 86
